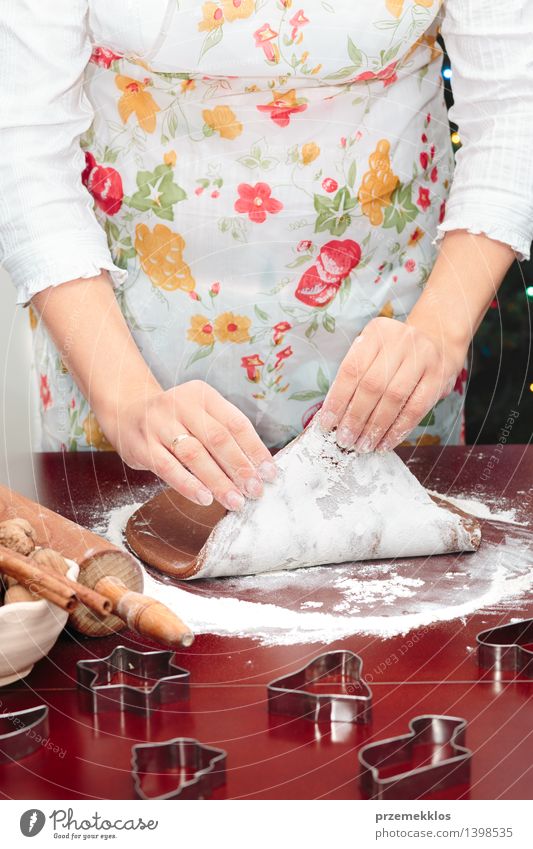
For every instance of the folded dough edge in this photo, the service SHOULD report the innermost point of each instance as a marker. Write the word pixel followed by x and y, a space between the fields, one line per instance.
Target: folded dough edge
pixel 329 505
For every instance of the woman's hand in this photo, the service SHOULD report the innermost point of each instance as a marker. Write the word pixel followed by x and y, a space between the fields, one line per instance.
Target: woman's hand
pixel 195 440
pixel 221 456
pixel 391 377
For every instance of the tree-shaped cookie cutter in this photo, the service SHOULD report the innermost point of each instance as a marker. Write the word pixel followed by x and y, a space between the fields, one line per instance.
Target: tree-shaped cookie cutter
pixel 443 736
pixel 156 681
pixel 22 732
pixel 304 693
pixel 199 769
pixel 504 648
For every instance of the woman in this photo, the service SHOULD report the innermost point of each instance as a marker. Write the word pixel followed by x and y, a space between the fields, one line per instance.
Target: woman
pixel 262 184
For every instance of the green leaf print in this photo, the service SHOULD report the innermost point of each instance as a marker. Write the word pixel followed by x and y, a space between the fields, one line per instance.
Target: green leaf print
pixel 157 192
pixel 355 54
pixel 202 352
pixel 308 395
pixel 428 420
pixel 352 174
pixel 328 323
pixel 333 213
pixel 261 314
pixel 211 40
pixel 401 210
pixel 322 382
pixel 342 73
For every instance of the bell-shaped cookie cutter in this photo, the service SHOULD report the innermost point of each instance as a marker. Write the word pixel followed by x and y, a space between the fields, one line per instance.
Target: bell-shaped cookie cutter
pixel 22 732
pixel 304 692
pixel 160 681
pixel 430 731
pixel 503 648
pixel 183 756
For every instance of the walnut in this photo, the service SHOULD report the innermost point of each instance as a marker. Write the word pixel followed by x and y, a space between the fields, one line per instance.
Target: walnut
pixel 18 535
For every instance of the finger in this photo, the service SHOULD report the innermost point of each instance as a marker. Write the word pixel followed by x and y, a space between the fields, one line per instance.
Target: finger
pixel 191 453
pixel 245 435
pixel 366 397
pixel 165 465
pixel 355 364
pixel 389 406
pixel 224 449
pixel 421 400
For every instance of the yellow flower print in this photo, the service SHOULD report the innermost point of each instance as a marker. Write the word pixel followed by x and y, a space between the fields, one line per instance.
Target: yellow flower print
pixel 213 17
pixel 387 311
pixel 235 9
pixel 161 256
pixel 136 101
pixel 232 328
pixel 310 151
pixel 187 85
pixel 95 435
pixel 395 7
pixel 377 184
pixel 34 321
pixel 170 158
pixel 222 120
pixel 201 330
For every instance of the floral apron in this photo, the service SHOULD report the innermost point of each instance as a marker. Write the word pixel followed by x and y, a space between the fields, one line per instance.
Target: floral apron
pixel 271 178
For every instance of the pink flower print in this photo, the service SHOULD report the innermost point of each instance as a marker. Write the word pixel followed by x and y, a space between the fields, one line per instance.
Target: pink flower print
pixel 298 20
pixel 423 198
pixel 321 282
pixel 434 176
pixel 256 201
pixel 44 391
pixel 424 160
pixel 410 265
pixel 264 37
pixel 283 355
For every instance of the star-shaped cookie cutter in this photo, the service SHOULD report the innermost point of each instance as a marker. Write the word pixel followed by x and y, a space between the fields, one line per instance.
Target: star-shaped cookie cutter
pixel 131 680
pixel 199 769
pixel 305 693
pixel 22 732
pixel 443 735
pixel 504 648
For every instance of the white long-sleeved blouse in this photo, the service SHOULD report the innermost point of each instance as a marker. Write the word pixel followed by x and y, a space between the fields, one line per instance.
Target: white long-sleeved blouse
pixel 48 230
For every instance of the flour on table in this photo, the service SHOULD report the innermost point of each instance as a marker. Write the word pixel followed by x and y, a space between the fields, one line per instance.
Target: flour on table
pixel 379 599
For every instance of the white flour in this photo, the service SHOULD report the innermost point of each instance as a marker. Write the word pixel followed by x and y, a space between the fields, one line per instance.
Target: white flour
pixel 383 600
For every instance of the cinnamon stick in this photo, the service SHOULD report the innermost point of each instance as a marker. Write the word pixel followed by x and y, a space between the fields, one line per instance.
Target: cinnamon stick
pixel 41 583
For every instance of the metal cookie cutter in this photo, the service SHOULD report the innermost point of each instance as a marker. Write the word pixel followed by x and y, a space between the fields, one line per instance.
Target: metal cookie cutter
pixel 330 688
pixel 430 758
pixel 507 647
pixel 130 680
pixel 193 770
pixel 22 732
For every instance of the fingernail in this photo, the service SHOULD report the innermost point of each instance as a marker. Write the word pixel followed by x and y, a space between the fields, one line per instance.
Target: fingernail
pixel 253 487
pixel 233 500
pixel 365 446
pixel 384 448
pixel 327 420
pixel 204 497
pixel 345 437
pixel 268 471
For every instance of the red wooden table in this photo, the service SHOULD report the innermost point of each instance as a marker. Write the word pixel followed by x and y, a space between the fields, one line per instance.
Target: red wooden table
pixel 433 670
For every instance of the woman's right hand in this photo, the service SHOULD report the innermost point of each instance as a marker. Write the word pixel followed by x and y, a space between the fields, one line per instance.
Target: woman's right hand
pixel 219 454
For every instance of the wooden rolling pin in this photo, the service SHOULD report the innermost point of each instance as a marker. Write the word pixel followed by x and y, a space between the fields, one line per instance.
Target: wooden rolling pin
pixel 103 566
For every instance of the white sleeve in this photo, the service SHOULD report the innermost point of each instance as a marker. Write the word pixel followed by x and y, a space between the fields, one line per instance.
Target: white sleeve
pixel 48 231
pixel 490 46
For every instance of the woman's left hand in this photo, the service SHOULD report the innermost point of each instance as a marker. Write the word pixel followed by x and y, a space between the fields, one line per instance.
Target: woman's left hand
pixel 393 374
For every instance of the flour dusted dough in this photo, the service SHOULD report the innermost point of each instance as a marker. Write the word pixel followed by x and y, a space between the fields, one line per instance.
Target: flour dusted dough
pixel 329 505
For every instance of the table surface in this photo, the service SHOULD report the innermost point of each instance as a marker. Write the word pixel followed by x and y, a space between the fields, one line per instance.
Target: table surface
pixel 432 670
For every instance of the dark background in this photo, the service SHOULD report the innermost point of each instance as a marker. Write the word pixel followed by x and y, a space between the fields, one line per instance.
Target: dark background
pixel 501 374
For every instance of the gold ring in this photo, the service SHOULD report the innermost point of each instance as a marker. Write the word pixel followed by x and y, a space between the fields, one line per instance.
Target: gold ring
pixel 178 439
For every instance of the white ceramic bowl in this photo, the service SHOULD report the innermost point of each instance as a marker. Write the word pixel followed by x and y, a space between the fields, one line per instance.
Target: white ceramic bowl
pixel 28 630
